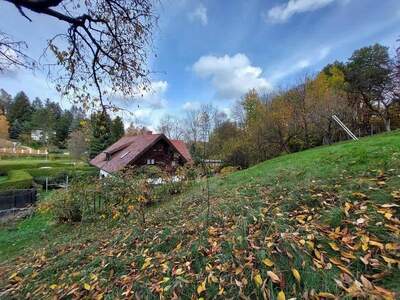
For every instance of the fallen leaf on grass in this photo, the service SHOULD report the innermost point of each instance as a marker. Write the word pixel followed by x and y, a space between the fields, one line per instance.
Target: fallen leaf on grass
pixel 296 274
pixel 281 296
pixel 258 279
pixel 326 295
pixel 268 262
pixel 334 246
pixel 202 287
pixel 275 278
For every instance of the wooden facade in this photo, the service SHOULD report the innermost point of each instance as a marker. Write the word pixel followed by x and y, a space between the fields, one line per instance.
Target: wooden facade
pixel 161 155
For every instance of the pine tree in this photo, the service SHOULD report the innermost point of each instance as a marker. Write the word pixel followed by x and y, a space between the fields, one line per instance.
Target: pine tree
pixel 20 109
pixel 117 129
pixel 15 130
pixel 62 128
pixel 101 135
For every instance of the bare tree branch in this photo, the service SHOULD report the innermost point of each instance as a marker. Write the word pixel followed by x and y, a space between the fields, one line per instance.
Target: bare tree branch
pixel 12 54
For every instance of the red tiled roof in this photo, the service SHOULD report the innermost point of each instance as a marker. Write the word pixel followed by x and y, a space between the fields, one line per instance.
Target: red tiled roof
pixel 182 149
pixel 127 149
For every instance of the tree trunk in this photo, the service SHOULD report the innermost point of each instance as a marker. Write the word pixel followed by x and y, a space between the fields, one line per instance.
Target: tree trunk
pixel 386 121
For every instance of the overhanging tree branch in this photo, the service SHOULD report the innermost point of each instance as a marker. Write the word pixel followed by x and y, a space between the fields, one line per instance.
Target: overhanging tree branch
pixel 107 46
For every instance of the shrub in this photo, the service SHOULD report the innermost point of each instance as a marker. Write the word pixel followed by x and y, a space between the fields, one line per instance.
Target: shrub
pixel 17 179
pixel 238 157
pixel 228 170
pixel 67 206
pixel 120 195
pixel 59 174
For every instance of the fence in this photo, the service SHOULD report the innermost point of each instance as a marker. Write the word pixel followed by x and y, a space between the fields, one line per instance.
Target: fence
pixel 22 152
pixel 17 198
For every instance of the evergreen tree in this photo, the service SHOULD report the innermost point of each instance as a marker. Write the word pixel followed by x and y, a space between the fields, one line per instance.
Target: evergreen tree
pixel 117 129
pixel 101 135
pixel 5 102
pixel 37 104
pixel 20 109
pixel 15 129
pixel 62 128
pixel 78 115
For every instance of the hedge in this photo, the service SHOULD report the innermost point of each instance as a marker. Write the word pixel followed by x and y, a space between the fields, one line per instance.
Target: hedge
pixel 51 172
pixel 7 166
pixel 59 174
pixel 17 179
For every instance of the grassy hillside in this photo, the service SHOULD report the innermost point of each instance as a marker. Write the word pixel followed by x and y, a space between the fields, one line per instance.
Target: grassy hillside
pixel 319 224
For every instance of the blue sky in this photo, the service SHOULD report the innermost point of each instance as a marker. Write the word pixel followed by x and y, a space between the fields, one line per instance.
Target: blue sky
pixel 213 51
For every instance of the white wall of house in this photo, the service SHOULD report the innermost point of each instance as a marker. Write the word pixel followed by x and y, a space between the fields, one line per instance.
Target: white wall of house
pixel 104 174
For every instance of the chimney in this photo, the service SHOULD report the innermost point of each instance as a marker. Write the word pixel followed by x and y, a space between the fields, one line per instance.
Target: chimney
pixel 108 155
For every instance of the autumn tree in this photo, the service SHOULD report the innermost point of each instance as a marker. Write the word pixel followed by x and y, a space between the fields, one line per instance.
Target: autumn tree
pixel 3 127
pixel 325 97
pixel 279 128
pixel 134 130
pixel 223 138
pixel 103 51
pixel 77 144
pixel 254 126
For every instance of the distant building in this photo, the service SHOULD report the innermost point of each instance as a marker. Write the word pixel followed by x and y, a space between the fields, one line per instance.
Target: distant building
pixel 140 150
pixel 40 135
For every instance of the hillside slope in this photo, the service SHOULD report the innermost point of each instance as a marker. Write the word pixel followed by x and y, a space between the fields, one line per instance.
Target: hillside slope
pixel 319 224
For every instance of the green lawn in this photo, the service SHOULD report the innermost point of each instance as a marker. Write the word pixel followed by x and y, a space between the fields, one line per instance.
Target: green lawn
pixel 3 178
pixel 318 224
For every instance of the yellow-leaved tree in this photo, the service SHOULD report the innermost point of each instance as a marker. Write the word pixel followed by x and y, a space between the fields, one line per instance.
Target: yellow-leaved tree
pixel 3 127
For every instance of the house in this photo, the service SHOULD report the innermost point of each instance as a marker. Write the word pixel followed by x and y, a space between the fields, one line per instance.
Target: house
pixel 140 150
pixel 39 135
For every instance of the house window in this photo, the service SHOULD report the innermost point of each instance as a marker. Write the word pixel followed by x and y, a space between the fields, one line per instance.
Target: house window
pixel 150 161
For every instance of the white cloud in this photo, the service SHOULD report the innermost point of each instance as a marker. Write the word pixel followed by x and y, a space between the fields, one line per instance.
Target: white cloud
pixel 231 76
pixel 282 13
pixel 324 52
pixel 189 105
pixel 199 15
pixel 300 64
pixel 151 95
pixel 154 94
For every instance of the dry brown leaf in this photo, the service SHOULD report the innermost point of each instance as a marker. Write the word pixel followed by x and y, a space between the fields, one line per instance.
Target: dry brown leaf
pixel 275 278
